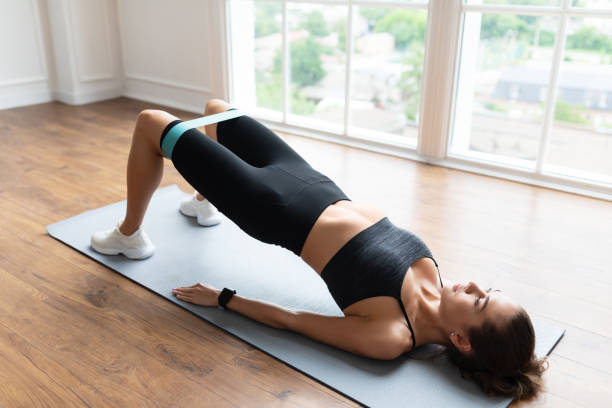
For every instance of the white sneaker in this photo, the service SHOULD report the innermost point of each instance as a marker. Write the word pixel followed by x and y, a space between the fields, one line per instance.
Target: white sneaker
pixel 207 214
pixel 113 242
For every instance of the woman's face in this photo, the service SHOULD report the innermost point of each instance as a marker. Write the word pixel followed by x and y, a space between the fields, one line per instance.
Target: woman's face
pixel 464 306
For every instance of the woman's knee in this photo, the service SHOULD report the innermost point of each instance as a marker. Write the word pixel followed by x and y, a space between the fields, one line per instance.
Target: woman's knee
pixel 216 106
pixel 152 117
pixel 151 123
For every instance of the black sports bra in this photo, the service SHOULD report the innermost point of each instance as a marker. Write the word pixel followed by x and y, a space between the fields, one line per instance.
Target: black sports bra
pixel 374 263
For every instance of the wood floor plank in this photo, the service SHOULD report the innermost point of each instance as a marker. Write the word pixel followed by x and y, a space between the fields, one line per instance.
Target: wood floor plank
pixel 578 383
pixel 584 347
pixel 28 377
pixel 107 303
pixel 546 399
pixel 122 371
pixel 581 314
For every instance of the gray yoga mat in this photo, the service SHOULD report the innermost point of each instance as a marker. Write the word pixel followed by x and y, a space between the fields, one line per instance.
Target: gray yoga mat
pixel 225 256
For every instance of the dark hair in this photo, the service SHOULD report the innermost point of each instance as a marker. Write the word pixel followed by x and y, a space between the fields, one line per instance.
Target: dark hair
pixel 502 359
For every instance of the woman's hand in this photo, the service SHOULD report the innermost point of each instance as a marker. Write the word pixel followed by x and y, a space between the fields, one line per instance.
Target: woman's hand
pixel 198 294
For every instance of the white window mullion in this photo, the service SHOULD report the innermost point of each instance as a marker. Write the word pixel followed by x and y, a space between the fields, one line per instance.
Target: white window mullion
pixel 221 74
pixel 347 79
pixel 441 45
pixel 285 63
pixel 552 90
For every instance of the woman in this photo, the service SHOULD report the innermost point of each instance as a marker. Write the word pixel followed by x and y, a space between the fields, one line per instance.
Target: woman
pixel 384 278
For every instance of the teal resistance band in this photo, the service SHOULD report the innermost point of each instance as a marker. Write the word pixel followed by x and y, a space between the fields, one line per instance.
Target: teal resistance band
pixel 177 130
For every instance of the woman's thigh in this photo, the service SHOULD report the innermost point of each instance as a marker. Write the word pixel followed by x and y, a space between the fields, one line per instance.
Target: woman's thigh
pixel 255 143
pixel 246 194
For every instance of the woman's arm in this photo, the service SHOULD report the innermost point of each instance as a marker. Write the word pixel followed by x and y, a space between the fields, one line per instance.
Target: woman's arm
pixel 374 338
pixel 263 312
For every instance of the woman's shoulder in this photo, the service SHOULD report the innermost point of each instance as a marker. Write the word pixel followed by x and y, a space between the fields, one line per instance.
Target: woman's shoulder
pixel 386 320
pixel 395 335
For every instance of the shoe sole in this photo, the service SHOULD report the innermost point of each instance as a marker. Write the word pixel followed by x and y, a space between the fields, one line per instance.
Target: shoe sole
pixel 205 222
pixel 131 253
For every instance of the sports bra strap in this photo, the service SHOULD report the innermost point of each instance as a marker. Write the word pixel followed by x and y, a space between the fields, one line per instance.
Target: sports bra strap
pixel 409 325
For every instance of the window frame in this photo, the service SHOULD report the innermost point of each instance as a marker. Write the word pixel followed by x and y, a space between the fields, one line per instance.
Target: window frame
pixel 438 94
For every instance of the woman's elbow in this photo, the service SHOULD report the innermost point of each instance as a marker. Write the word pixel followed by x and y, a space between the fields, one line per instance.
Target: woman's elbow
pixel 287 320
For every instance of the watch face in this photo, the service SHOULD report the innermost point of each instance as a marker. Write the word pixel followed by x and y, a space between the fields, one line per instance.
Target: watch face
pixel 225 296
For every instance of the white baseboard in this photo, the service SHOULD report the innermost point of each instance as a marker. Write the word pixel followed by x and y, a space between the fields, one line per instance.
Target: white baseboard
pixel 161 93
pixel 89 96
pixel 14 96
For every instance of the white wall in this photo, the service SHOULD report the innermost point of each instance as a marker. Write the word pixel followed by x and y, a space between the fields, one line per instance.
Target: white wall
pixel 86 50
pixel 24 69
pixel 166 51
pixel 81 51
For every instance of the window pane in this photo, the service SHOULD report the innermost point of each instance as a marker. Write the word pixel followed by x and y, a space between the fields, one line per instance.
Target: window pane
pixel 581 138
pixel 387 68
pixel 268 46
pixel 503 83
pixel 396 1
pixel 317 61
pixel 547 3
pixel 593 4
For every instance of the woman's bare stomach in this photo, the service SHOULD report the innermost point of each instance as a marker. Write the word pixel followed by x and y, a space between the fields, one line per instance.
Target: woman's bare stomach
pixel 336 225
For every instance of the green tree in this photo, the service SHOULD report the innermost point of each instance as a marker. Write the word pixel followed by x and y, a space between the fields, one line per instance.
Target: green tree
pixel 266 18
pixel 570 113
pixel 305 58
pixel 340 28
pixel 521 2
pixel 496 26
pixel 269 91
pixel 300 104
pixel 547 38
pixel 410 81
pixel 406 26
pixel 306 69
pixel 373 15
pixel 315 24
pixel 589 38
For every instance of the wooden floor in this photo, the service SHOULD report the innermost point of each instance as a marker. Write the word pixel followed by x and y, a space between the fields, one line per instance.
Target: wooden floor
pixel 74 333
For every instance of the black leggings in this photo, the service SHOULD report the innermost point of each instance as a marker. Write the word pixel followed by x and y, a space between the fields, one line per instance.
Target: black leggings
pixel 255 179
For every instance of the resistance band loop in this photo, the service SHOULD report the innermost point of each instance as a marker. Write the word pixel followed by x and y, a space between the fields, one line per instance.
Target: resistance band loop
pixel 177 131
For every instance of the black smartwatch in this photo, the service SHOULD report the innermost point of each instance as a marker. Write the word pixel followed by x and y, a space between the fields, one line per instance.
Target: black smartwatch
pixel 225 296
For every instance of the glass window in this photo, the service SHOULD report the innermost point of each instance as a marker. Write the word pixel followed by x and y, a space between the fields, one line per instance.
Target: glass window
pixel 518 2
pixel 268 49
pixel 581 136
pixel 502 113
pixel 593 4
pixel 317 61
pixel 387 70
pixel 505 66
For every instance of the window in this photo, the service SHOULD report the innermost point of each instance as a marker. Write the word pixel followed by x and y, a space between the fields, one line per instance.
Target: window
pixel 581 134
pixel 386 70
pixel 344 67
pixel 512 52
pixel 522 86
pixel 505 65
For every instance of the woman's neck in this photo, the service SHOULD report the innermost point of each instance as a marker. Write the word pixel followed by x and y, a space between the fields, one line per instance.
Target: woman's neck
pixel 427 324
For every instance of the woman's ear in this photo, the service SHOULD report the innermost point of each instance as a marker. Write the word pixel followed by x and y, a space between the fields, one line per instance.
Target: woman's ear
pixel 460 341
